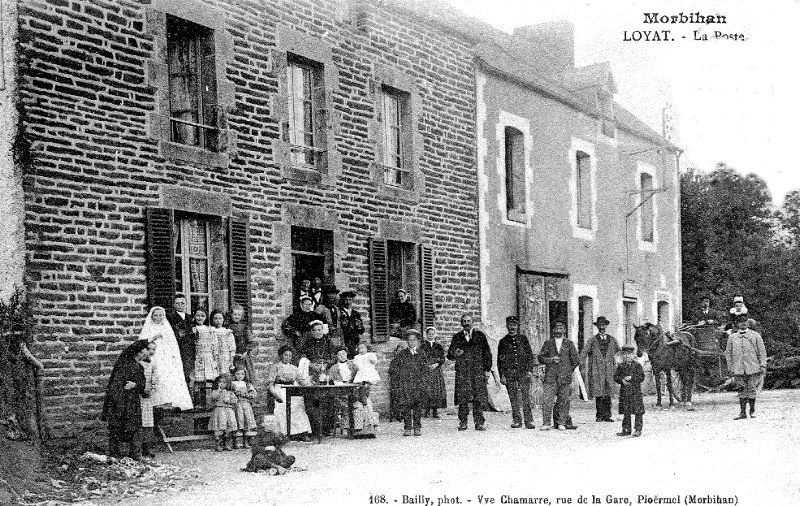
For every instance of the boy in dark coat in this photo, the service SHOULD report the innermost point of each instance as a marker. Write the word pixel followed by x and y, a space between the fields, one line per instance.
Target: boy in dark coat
pixel 515 363
pixel 409 372
pixel 630 375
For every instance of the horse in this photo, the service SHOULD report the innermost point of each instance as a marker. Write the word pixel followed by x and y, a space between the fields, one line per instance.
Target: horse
pixel 667 358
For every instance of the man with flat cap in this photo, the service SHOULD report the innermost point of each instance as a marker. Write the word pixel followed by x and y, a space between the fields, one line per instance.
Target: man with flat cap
pixel 515 363
pixel 560 358
pixel 601 351
pixel 402 314
pixel 350 321
pixel 473 357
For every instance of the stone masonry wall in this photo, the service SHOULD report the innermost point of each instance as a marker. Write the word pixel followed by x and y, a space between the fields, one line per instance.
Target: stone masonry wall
pixel 88 92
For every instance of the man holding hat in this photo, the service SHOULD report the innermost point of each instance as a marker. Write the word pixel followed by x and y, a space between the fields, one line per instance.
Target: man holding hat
pixel 329 314
pixel 560 358
pixel 350 322
pixel 515 363
pixel 402 313
pixel 601 351
pixel 746 357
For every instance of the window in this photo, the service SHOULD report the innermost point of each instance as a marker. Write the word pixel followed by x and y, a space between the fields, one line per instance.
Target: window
pixel 630 318
pixel 662 310
pixel 312 256
pixel 606 104
pixel 191 243
pixel 515 173
pixel 585 320
pixel 583 185
pixel 203 257
pixel 193 109
pixel 647 197
pixel 306 92
pixel 396 170
pixel 398 264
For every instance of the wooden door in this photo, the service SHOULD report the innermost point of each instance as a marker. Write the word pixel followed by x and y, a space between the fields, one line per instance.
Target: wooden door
pixel 535 293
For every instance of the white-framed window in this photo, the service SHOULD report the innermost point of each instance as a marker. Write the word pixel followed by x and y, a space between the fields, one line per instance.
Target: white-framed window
pixel 514 173
pixel 306 93
pixel 583 189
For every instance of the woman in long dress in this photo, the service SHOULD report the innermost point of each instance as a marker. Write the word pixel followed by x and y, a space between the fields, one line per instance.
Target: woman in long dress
pixel 170 386
pixel 285 373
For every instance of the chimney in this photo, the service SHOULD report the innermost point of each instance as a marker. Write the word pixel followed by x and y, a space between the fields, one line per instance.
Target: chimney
pixel 550 47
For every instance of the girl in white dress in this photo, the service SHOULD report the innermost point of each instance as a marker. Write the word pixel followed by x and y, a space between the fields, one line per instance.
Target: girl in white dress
pixel 170 385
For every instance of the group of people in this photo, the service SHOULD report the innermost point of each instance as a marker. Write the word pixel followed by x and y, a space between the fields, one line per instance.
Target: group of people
pixel 178 355
pixel 173 365
pixel 745 353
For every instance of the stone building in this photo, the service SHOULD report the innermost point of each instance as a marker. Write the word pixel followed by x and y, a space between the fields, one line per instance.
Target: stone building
pixel 228 149
pixel 579 200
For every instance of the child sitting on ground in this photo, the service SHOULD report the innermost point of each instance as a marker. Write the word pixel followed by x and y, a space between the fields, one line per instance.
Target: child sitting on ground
pixel 630 375
pixel 223 418
pixel 266 449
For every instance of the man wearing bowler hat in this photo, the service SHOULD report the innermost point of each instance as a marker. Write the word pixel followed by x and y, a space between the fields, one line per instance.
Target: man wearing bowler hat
pixel 601 351
pixel 515 363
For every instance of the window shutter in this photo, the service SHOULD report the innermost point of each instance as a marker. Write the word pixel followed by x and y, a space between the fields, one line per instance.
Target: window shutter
pixel 161 257
pixel 426 282
pixel 239 263
pixel 378 280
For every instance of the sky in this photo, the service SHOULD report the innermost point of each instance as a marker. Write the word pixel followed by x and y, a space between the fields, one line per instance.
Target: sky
pixel 733 101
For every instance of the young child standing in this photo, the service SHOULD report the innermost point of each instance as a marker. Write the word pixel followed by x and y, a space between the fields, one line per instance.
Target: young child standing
pixel 224 341
pixel 630 375
pixel 205 361
pixel 245 344
pixel 223 418
pixel 409 371
pixel 245 392
pixel 366 374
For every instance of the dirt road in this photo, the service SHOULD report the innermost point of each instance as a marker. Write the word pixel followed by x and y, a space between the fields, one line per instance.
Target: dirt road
pixel 704 453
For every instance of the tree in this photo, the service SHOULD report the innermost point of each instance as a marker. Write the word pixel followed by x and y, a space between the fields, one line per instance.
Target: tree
pixel 735 244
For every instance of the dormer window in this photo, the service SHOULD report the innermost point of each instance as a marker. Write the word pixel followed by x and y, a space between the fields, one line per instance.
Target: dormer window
pixel 605 102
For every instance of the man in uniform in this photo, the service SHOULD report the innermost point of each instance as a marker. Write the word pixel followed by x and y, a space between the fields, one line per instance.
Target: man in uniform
pixel 515 363
pixel 560 358
pixel 473 357
pixel 601 351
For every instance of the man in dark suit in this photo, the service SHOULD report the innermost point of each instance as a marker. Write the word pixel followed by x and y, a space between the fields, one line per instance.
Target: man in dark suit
pixel 705 315
pixel 560 358
pixel 350 322
pixel 182 325
pixel 473 357
pixel 515 363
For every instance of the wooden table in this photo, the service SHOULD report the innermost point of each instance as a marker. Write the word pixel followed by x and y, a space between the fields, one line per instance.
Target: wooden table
pixel 319 392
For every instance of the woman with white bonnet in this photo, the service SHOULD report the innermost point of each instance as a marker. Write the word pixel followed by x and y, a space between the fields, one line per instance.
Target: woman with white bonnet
pixel 170 387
